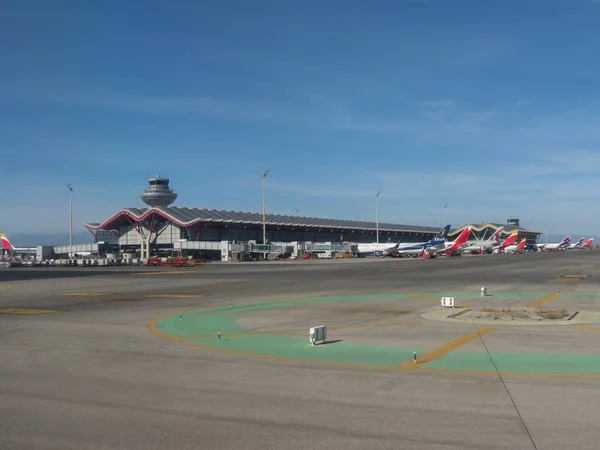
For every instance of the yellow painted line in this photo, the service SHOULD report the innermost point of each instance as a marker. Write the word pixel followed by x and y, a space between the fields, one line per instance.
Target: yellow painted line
pixel 442 351
pixel 129 296
pixel 422 297
pixel 592 329
pixel 5 286
pixel 548 298
pixel 26 311
pixel 173 296
pixel 85 294
pixel 433 300
pixel 218 285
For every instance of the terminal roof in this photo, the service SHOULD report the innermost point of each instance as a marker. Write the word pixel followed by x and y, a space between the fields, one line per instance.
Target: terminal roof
pixel 186 217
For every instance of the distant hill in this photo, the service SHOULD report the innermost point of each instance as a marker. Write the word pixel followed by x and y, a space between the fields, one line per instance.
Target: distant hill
pixel 35 239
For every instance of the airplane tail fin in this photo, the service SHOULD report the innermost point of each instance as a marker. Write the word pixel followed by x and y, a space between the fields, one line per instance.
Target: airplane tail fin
pixel 522 244
pixel 579 242
pixel 439 238
pixel 442 234
pixel 6 245
pixel 566 240
pixel 511 239
pixel 497 235
pixel 464 236
pixel 589 243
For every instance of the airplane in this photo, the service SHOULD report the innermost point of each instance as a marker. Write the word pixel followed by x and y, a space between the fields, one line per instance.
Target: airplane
pixel 577 244
pixel 555 246
pixel 386 249
pixel 8 249
pixel 486 246
pixel 390 248
pixel 416 248
pixel 510 240
pixel 450 248
pixel 581 245
pixel 79 255
pixel 514 248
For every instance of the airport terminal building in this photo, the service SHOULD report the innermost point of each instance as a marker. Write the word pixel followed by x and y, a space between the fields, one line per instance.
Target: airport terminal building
pixel 162 229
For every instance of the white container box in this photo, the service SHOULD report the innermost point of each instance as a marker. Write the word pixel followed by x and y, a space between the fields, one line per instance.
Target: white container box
pixel 317 334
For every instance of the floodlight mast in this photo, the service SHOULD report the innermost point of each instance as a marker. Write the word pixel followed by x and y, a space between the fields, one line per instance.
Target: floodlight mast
pixel 264 178
pixel 377 214
pixel 70 213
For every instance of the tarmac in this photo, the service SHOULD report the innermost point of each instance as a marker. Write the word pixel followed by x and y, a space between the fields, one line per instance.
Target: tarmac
pixel 218 356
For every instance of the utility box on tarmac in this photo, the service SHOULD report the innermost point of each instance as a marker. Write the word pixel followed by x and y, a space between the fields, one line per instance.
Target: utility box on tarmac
pixel 317 334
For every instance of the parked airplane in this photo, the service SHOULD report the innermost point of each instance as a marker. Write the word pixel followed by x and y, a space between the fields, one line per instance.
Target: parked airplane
pixel 555 246
pixel 485 246
pixel 405 248
pixel 510 240
pixel 450 248
pixel 78 255
pixel 7 247
pixel 514 248
pixel 580 245
pixel 577 244
pixel 386 249
pixel 416 248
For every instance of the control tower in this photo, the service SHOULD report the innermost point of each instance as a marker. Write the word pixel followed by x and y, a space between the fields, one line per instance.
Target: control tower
pixel 158 192
pixel 513 222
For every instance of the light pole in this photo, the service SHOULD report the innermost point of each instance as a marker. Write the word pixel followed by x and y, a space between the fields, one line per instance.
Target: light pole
pixel 264 178
pixel 70 214
pixel 445 206
pixel 377 214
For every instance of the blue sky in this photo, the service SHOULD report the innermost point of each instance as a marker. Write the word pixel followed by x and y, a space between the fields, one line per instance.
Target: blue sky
pixel 491 107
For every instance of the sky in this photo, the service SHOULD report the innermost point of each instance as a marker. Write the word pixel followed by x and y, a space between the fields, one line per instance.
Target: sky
pixel 489 107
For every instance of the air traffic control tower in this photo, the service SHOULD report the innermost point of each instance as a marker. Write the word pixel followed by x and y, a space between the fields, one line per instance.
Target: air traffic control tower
pixel 158 192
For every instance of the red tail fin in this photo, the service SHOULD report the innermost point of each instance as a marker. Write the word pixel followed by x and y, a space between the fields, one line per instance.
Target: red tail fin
pixel 464 236
pixel 511 239
pixel 6 245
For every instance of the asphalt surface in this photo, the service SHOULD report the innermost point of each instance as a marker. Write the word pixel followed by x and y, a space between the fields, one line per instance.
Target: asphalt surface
pixel 92 375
